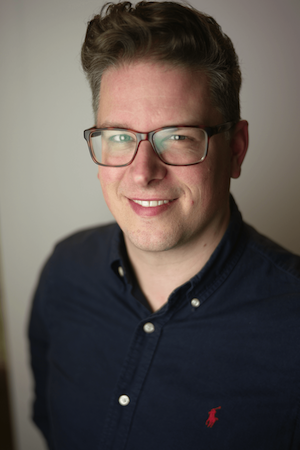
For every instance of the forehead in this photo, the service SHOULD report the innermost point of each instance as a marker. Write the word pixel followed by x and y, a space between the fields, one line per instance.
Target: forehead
pixel 148 95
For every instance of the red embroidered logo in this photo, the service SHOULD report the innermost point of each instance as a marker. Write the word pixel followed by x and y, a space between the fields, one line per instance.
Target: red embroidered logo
pixel 212 417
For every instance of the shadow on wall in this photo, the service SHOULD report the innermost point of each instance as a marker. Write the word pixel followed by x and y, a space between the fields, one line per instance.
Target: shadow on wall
pixel 6 433
pixel 6 438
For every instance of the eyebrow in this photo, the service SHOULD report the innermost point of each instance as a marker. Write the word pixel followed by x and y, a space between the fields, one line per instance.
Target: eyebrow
pixel 113 125
pixel 128 127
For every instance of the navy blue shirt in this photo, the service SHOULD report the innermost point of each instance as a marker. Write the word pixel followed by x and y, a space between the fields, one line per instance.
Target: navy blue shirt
pixel 217 367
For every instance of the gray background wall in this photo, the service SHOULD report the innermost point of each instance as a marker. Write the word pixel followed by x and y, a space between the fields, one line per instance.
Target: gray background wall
pixel 48 184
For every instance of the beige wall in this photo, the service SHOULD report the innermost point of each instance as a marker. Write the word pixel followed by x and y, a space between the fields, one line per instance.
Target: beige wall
pixel 48 184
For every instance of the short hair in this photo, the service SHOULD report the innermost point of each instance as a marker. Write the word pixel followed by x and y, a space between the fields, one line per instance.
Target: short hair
pixel 166 32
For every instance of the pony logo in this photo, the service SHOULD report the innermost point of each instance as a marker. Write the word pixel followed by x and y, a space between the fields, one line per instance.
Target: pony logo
pixel 212 417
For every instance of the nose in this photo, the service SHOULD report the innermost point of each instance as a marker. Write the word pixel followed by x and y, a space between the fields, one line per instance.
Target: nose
pixel 146 166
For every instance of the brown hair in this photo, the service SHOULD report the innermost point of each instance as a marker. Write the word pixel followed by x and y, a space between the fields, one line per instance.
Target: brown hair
pixel 167 32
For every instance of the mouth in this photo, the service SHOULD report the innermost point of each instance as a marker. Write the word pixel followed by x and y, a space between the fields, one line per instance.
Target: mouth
pixel 151 203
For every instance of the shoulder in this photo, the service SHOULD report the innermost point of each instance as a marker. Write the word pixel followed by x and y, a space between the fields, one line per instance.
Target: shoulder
pixel 79 260
pixel 85 251
pixel 88 235
pixel 87 241
pixel 75 271
pixel 270 259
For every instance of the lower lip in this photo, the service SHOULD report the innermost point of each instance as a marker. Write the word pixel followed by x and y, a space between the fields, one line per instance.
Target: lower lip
pixel 150 211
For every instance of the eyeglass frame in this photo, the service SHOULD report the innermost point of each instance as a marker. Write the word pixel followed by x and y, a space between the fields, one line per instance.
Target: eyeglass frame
pixel 210 131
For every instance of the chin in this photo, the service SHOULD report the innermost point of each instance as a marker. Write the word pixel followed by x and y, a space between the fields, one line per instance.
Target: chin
pixel 150 242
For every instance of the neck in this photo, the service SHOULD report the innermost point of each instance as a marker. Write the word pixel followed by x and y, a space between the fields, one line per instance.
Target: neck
pixel 159 273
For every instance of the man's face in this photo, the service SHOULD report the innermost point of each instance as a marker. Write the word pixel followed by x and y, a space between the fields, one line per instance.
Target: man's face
pixel 195 209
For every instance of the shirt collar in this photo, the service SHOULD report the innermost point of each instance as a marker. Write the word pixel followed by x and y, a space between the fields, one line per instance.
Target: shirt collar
pixel 226 247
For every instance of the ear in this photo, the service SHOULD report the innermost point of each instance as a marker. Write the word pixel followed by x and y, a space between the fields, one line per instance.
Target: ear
pixel 238 145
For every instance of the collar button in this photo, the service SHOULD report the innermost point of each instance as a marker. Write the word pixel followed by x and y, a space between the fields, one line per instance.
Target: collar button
pixel 195 302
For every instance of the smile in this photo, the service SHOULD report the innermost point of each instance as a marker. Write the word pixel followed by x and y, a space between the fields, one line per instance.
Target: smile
pixel 151 203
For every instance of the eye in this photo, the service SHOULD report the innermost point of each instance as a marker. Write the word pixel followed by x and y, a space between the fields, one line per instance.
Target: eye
pixel 122 138
pixel 177 137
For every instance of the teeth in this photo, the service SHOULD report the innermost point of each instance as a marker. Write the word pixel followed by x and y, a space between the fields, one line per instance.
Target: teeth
pixel 151 203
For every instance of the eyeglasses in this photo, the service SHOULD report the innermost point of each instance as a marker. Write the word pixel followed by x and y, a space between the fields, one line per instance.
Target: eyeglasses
pixel 175 146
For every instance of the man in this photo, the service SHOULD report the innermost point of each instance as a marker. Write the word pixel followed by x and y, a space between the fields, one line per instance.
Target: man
pixel 178 326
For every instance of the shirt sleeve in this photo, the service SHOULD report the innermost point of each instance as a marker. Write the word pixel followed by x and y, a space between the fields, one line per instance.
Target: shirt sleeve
pixel 39 346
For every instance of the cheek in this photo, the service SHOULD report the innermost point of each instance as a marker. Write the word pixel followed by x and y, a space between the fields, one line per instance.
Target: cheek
pixel 194 181
pixel 105 182
pixel 107 176
pixel 208 184
pixel 110 180
pixel 197 179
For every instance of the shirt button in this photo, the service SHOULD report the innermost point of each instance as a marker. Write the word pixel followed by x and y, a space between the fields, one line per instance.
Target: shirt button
pixel 124 400
pixel 121 271
pixel 148 327
pixel 195 303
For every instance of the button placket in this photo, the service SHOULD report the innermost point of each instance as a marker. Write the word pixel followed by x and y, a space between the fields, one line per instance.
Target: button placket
pixel 148 328
pixel 132 377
